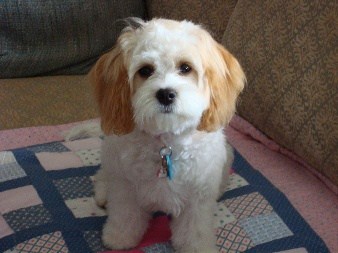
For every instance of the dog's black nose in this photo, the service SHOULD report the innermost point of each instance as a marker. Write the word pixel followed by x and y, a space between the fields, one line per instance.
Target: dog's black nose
pixel 166 96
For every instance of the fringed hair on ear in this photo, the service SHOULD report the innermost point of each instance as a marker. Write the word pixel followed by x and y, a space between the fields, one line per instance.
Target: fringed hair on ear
pixel 226 80
pixel 112 91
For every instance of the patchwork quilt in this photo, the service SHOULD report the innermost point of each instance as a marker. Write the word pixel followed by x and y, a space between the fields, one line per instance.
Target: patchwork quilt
pixel 47 205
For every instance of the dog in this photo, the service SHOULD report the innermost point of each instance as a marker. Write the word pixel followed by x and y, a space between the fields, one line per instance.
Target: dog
pixel 165 92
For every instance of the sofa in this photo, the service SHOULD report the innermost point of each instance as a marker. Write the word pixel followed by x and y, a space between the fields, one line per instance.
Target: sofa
pixel 289 108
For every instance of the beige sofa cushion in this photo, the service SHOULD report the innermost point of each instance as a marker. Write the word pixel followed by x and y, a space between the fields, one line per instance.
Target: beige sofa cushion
pixel 48 100
pixel 214 15
pixel 289 52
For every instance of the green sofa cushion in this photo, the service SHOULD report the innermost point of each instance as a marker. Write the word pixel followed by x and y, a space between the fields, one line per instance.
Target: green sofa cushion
pixel 39 37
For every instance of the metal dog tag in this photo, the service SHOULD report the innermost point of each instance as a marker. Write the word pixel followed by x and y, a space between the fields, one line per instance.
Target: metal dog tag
pixel 164 151
pixel 166 169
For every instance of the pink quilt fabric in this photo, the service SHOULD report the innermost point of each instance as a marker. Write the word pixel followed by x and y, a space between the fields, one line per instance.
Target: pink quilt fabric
pixel 23 137
pixel 314 197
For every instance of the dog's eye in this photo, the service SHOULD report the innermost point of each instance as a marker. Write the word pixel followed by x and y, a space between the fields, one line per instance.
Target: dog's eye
pixel 146 71
pixel 185 69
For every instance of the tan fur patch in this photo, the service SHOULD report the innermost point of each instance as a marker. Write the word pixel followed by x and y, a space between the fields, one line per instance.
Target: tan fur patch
pixel 224 89
pixel 110 80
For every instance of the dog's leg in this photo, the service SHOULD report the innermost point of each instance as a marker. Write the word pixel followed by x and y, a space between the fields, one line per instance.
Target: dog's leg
pixel 192 231
pixel 226 169
pixel 100 188
pixel 126 222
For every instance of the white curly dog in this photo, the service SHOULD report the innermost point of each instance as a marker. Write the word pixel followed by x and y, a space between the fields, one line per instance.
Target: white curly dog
pixel 165 93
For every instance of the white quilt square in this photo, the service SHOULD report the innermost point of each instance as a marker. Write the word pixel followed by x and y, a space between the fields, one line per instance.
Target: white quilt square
pixel 84 207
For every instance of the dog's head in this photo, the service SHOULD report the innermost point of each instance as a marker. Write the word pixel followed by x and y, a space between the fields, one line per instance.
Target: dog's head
pixel 165 76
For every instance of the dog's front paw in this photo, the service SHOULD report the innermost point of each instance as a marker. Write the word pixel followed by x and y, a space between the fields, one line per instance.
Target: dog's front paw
pixel 100 200
pixel 100 194
pixel 114 239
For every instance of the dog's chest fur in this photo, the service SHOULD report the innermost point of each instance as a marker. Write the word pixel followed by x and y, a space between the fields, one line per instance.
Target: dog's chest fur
pixel 198 160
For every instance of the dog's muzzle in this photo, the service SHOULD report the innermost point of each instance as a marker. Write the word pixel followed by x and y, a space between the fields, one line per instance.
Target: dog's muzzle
pixel 166 97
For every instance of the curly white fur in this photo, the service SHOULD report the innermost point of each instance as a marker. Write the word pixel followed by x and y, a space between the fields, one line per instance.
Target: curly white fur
pixel 127 183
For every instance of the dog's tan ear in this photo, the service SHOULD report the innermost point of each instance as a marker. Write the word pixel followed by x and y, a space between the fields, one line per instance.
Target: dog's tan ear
pixel 225 86
pixel 112 91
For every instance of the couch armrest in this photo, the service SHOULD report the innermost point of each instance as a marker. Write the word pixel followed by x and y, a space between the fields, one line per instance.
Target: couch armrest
pixel 289 53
